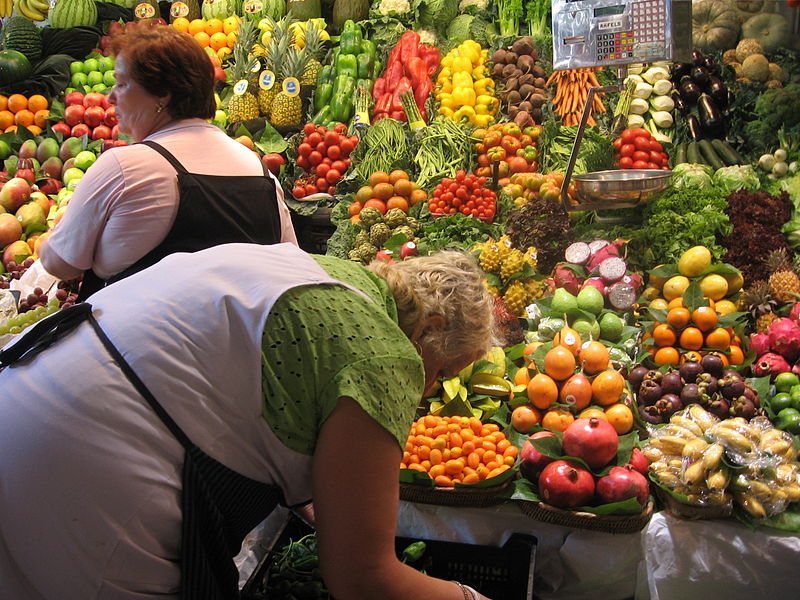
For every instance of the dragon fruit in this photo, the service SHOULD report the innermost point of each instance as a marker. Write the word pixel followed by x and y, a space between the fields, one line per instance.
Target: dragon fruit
pixel 760 343
pixel 566 278
pixel 784 338
pixel 794 314
pixel 770 364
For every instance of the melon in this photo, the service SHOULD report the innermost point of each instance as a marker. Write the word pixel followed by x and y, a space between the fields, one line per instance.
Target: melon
pixel 256 10
pixel 353 10
pixel 303 10
pixel 14 66
pixel 219 9
pixel 19 33
pixel 73 13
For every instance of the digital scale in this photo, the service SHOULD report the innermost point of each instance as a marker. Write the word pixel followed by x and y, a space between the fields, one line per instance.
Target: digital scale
pixel 603 33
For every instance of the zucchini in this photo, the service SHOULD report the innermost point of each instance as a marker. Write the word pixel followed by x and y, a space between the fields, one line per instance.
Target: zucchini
pixel 680 155
pixel 707 150
pixel 693 154
pixel 727 153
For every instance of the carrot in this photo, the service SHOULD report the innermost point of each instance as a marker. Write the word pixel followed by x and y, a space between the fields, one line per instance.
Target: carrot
pixel 572 92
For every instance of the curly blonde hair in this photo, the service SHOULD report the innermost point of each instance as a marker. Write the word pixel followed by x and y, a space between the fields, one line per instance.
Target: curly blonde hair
pixel 449 284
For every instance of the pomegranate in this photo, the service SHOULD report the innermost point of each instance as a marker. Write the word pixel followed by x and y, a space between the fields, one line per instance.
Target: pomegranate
pixel 770 364
pixel 760 343
pixel 784 338
pixel 531 460
pixel 566 485
pixel 593 440
pixel 639 461
pixel 622 483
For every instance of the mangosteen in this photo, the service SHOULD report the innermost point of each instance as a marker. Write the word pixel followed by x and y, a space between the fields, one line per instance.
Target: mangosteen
pixel 751 395
pixel 743 407
pixel 713 364
pixel 731 387
pixel 732 373
pixel 671 383
pixel 653 375
pixel 707 383
pixel 650 415
pixel 719 407
pixel 649 392
pixel 690 370
pixel 636 376
pixel 690 394
pixel 668 404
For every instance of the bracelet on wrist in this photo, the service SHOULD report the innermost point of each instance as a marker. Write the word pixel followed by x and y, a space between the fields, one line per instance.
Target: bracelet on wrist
pixel 469 593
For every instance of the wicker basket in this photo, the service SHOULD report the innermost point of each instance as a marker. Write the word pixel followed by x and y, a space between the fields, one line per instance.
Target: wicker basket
pixel 690 511
pixel 541 511
pixel 460 496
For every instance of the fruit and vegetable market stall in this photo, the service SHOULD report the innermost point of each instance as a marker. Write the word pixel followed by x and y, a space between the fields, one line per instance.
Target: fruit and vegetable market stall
pixel 634 209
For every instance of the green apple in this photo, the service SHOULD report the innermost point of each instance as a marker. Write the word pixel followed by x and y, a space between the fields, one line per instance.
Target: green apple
pixel 72 174
pixel 78 80
pixel 109 79
pixel 94 77
pixel 105 63
pixel 90 64
pixel 76 67
pixel 98 87
pixel 84 159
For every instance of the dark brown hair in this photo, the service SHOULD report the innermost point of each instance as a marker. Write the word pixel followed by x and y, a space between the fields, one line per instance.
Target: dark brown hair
pixel 164 61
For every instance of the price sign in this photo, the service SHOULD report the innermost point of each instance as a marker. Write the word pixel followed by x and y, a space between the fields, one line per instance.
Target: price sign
pixel 240 87
pixel 178 9
pixel 291 86
pixel 266 80
pixel 144 11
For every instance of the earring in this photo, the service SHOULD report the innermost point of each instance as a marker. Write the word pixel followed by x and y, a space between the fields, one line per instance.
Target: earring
pixel 159 108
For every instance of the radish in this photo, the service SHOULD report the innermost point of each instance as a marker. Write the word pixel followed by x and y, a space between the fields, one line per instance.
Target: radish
pixel 578 253
pixel 612 269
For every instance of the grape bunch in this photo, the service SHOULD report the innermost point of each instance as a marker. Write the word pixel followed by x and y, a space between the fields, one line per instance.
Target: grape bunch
pixel 16 271
pixel 37 305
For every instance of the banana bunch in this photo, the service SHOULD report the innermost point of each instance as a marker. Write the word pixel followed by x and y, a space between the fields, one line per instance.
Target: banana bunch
pixel 6 8
pixel 35 10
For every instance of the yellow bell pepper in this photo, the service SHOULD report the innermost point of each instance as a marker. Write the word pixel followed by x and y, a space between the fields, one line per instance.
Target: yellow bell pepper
pixel 479 72
pixel 482 109
pixel 448 101
pixel 465 114
pixel 461 63
pixel 470 51
pixel 462 80
pixel 490 101
pixel 483 120
pixel 444 86
pixel 484 86
pixel 447 60
pixel 443 110
pixel 445 73
pixel 464 96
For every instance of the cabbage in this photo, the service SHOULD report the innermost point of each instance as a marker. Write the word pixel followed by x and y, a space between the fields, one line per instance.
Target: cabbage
pixel 737 177
pixel 791 185
pixel 689 175
pixel 468 27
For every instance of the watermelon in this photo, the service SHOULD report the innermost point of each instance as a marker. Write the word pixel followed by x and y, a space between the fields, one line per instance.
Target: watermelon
pixel 256 10
pixel 220 9
pixel 14 66
pixel 73 13
pixel 19 33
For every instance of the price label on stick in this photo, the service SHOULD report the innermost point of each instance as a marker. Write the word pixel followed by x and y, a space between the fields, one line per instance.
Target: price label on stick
pixel 178 9
pixel 144 11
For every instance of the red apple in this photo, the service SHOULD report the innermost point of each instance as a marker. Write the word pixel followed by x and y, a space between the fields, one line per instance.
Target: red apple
pixel 80 129
pixel 101 132
pixel 94 115
pixel 93 99
pixel 118 143
pixel 73 98
pixel 14 194
pixel 73 114
pixel 111 116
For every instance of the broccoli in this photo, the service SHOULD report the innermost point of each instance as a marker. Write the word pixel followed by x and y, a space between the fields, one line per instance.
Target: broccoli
pixel 379 233
pixel 370 216
pixel 395 217
pixel 775 109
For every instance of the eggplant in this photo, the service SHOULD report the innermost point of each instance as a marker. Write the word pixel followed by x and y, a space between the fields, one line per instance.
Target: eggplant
pixel 711 119
pixel 700 76
pixel 698 58
pixel 710 64
pixel 689 90
pixel 695 130
pixel 680 70
pixel 680 104
pixel 718 91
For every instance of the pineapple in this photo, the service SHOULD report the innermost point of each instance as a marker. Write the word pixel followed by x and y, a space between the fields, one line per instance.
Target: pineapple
pixel 245 106
pixel 758 300
pixel 277 48
pixel 784 284
pixel 314 50
pixel 288 110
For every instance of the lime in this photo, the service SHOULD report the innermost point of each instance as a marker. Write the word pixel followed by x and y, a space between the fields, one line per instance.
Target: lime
pixel 694 261
pixel 780 401
pixel 784 382
pixel 789 420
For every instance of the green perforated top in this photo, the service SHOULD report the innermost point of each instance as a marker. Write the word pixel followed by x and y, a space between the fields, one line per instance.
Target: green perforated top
pixel 324 342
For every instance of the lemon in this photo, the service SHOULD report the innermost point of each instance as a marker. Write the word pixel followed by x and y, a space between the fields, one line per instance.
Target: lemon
pixel 656 281
pixel 735 282
pixel 658 303
pixel 725 307
pixel 694 261
pixel 714 286
pixel 675 286
pixel 651 293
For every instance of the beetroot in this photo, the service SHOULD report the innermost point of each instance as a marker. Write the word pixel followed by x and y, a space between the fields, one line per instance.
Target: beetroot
pixel 593 440
pixel 770 364
pixel 621 296
pixel 612 269
pixel 596 282
pixel 760 343
pixel 577 253
pixel 531 460
pixel 566 485
pixel 622 483
pixel 564 277
pixel 784 338
pixel 639 461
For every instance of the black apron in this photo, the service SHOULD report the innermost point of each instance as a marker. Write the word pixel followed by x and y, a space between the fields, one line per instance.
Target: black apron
pixel 219 506
pixel 212 210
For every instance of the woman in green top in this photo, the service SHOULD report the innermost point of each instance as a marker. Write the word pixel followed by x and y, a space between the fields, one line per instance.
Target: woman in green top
pixel 206 389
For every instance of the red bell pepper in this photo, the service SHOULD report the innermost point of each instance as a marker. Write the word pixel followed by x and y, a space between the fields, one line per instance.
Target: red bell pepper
pixel 379 88
pixel 409 45
pixel 431 56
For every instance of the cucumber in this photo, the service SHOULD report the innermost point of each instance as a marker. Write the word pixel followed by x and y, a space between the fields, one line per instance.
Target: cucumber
pixel 680 155
pixel 707 150
pixel 727 153
pixel 693 154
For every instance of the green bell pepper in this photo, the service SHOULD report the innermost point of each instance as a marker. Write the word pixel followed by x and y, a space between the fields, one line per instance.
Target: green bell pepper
pixel 342 102
pixel 367 83
pixel 342 82
pixel 323 95
pixel 366 59
pixel 323 115
pixel 350 40
pixel 347 65
pixel 326 75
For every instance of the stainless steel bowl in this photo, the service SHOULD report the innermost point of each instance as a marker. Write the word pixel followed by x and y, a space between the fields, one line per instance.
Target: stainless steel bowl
pixel 621 188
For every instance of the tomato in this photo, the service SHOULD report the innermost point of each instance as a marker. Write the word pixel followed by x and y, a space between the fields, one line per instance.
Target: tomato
pixel 479 133
pixel 626 162
pixel 627 136
pixel 510 144
pixel 517 164
pixel 627 150
pixel 642 143
pixel 322 169
pixel 347 146
pixel 334 152
pixel 512 129
pixel 652 165
pixel 314 139
pixel 525 140
pixel 302 162
pixel 333 176
pixel 640 164
pixel 321 148
pixel 315 158
pixel 639 155
pixel 640 132
pixel 354 208
pixel 617 143
pixel 656 157
pixel 304 149
pixel 331 138
pixel 340 128
pixel 339 165
pixel 534 131
pixel 274 162
pixel 299 192
pixel 311 189
pixel 483 160
pixel 309 128
pixel 321 183
pixel 655 146
pixel 379 205
pixel 492 139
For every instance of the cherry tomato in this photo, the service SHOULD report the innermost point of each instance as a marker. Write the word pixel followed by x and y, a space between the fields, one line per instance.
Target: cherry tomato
pixel 322 169
pixel 642 143
pixel 331 138
pixel 627 136
pixel 640 164
pixel 311 189
pixel 347 146
pixel 655 146
pixel 314 139
pixel 321 183
pixel 333 176
pixel 627 150
pixel 315 158
pixel 640 155
pixel 334 152
pixel 321 148
pixel 617 143
pixel 626 162
pixel 304 149
pixel 299 192
pixel 340 128
pixel 309 128
pixel 302 162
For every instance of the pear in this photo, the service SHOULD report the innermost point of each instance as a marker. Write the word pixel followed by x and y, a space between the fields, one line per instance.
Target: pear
pixel 611 326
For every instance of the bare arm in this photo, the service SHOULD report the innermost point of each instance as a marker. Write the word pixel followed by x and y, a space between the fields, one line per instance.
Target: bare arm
pixel 356 498
pixel 54 264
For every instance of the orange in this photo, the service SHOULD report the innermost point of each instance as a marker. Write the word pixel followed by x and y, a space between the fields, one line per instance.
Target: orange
pixel 522 376
pixel 675 302
pixel 664 335
pixel 17 102
pixel 667 355
pixel 231 39
pixel 530 348
pixel 658 303
pixel 10 129
pixel 214 26
pixel 691 356
pixel 418 195
pixel 397 202
pixel 40 118
pixel 383 191
pixel 542 391
pixel 594 357
pixel 6 119
pixel 607 387
pixel 218 41
pixel 569 338
pixel 378 177
pixel 35 129
pixel 620 417
pixel 679 317
pixel 3 102
pixel 397 175
pixel 736 355
pixel 691 338
pixel 593 411
pixel 403 187
pixel 524 418
pixel 181 24
pixel 364 193
pixel 559 363
pixel 576 391
pixel 23 117
pixel 557 419
pixel 704 317
pixel 718 339
pixel 36 103
pixel 230 25
pixel 202 38
pixel 196 26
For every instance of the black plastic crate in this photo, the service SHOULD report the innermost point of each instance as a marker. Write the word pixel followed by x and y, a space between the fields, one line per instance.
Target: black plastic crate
pixel 497 572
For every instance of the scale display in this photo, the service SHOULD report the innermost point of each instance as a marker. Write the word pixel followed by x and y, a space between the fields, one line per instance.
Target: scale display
pixel 589 33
